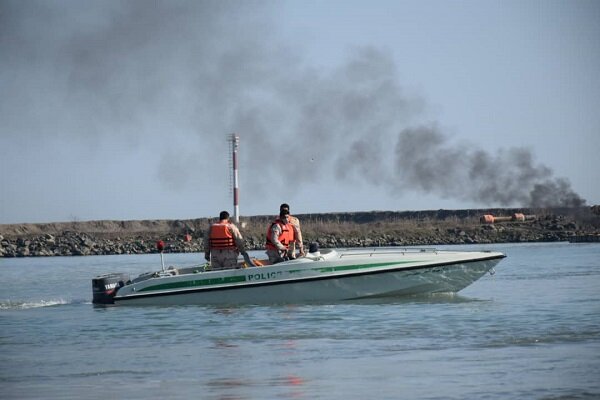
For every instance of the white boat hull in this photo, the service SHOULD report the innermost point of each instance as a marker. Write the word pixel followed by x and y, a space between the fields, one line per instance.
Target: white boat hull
pixel 337 276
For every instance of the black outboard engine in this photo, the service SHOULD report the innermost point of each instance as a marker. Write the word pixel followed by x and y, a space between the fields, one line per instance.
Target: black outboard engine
pixel 105 287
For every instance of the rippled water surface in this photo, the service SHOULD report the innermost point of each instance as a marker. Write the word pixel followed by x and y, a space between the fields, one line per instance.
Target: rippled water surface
pixel 531 331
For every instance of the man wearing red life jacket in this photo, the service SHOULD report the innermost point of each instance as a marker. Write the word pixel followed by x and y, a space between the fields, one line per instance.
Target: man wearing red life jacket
pixel 297 242
pixel 223 243
pixel 279 236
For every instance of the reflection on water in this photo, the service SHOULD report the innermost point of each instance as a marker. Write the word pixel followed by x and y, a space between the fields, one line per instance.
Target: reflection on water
pixel 530 331
pixel 430 298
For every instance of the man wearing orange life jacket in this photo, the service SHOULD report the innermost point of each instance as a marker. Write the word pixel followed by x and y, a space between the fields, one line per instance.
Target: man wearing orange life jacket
pixel 279 236
pixel 297 242
pixel 223 243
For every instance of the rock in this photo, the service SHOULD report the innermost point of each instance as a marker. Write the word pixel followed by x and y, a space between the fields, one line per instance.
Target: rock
pixel 423 228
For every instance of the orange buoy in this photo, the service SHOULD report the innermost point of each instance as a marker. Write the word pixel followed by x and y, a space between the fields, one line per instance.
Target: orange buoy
pixel 487 219
pixel 518 217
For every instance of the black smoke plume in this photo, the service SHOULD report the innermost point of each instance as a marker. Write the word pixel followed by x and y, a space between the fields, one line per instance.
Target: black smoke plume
pixel 427 162
pixel 184 74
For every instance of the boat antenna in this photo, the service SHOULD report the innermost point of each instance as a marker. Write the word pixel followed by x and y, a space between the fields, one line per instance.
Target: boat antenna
pixel 235 140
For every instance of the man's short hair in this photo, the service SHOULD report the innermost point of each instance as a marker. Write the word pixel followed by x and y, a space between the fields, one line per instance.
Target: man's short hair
pixel 224 215
pixel 284 206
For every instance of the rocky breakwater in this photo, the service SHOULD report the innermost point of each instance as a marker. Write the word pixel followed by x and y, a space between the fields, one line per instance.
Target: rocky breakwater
pixel 98 238
pixel 82 244
pixel 549 229
pixel 361 229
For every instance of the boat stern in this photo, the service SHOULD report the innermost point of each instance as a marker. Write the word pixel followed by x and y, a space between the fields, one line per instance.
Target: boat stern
pixel 105 287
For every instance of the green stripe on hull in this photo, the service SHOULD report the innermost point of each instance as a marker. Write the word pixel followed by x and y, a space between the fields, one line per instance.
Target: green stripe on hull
pixel 350 267
pixel 359 266
pixel 196 283
pixel 242 278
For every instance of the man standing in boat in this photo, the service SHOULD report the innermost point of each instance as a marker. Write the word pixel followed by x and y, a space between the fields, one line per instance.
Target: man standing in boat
pixel 279 236
pixel 223 243
pixel 295 222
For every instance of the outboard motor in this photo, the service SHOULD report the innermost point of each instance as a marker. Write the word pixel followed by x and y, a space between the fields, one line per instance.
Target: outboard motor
pixel 313 252
pixel 105 287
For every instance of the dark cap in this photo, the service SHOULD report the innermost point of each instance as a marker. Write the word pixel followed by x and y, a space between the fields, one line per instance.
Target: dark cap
pixel 284 207
pixel 223 215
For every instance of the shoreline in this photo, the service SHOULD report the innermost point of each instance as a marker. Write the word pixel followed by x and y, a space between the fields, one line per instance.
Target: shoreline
pixel 349 229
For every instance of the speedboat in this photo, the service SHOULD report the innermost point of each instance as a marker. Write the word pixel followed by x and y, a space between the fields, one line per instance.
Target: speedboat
pixel 329 275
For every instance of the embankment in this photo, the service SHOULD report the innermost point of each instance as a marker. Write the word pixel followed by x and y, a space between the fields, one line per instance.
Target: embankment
pixel 355 229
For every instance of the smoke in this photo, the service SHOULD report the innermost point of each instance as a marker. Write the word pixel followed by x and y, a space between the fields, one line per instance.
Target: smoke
pixel 425 160
pixel 181 75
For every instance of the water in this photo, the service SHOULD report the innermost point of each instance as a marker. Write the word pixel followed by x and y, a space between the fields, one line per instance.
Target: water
pixel 531 331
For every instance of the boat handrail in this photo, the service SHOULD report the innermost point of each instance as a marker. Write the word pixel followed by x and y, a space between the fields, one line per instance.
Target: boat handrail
pixel 389 250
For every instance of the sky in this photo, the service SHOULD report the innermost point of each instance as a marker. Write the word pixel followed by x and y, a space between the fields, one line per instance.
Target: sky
pixel 121 109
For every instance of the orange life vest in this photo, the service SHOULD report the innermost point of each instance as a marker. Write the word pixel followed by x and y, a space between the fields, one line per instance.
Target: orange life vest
pixel 221 237
pixel 286 236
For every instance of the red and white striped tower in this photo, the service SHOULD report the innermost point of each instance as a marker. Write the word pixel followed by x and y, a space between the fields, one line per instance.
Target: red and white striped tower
pixel 235 140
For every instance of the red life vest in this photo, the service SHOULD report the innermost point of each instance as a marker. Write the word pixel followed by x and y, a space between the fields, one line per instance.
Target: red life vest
pixel 286 236
pixel 221 237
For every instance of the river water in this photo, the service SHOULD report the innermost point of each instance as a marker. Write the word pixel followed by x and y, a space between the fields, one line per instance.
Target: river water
pixel 531 331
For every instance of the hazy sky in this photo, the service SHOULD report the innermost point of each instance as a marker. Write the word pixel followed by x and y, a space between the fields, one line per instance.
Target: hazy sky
pixel 120 109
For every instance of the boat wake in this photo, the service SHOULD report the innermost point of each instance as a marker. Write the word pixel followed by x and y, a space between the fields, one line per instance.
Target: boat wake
pixel 29 304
